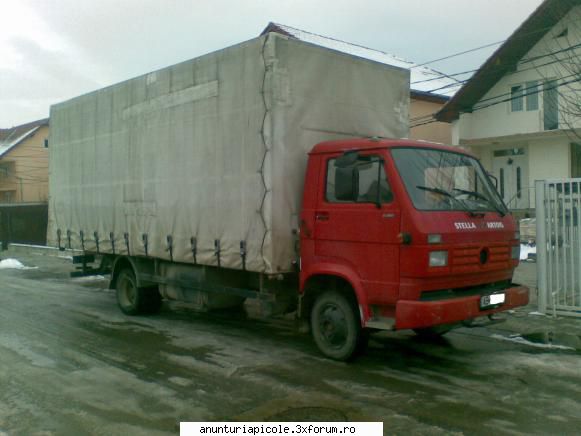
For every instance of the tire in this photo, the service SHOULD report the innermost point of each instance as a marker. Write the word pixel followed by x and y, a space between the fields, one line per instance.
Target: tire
pixel 434 332
pixel 133 300
pixel 336 327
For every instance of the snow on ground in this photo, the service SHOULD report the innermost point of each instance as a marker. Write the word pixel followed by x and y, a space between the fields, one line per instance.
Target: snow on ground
pixel 525 250
pixel 13 264
pixel 10 264
pixel 88 278
pixel 520 340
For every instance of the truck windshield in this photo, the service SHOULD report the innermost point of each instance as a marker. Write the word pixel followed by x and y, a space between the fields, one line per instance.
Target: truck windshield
pixel 444 180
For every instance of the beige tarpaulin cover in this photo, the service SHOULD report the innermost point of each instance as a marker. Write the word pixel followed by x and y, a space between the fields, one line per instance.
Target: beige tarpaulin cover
pixel 212 151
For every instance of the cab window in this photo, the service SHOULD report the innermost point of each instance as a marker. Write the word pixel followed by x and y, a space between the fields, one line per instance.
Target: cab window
pixel 361 181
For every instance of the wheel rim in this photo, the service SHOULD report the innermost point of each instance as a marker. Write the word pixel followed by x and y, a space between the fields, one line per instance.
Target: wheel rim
pixel 128 292
pixel 333 326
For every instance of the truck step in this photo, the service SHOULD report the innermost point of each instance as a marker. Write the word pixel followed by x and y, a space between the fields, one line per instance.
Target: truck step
pixel 381 323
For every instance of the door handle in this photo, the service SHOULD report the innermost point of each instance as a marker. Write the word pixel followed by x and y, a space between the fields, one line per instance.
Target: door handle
pixel 322 216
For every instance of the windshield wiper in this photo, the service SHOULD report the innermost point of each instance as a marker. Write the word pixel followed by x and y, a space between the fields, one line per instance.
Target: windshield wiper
pixel 473 193
pixel 482 197
pixel 436 190
pixel 450 195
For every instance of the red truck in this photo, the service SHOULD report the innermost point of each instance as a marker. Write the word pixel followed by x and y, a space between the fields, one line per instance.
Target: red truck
pixel 399 234
pixel 199 182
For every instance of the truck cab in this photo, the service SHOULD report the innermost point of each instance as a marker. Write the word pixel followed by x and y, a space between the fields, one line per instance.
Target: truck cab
pixel 400 234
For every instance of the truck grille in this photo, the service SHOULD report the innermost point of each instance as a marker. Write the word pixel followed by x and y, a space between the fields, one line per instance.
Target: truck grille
pixel 480 258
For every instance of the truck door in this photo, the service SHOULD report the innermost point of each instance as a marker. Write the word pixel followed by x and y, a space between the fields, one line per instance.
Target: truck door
pixel 357 222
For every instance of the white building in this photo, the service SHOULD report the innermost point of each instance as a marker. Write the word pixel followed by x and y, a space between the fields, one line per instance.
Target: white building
pixel 521 112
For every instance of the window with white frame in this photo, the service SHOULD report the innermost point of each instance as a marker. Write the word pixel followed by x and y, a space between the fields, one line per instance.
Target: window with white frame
pixel 525 96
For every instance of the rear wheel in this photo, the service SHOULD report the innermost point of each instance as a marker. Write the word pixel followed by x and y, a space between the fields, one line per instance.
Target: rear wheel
pixel 336 327
pixel 133 300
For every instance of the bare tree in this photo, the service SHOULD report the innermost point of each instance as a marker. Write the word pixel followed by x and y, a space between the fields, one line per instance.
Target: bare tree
pixel 558 62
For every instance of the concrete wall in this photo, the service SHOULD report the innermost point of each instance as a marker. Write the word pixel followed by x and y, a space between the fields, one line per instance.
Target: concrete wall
pixel 550 159
pixel 27 178
pixel 546 158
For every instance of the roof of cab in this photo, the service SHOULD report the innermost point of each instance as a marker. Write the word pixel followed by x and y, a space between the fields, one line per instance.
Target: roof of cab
pixel 375 143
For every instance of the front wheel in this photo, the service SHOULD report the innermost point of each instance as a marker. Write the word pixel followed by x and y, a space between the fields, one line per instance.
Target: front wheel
pixel 336 327
pixel 133 300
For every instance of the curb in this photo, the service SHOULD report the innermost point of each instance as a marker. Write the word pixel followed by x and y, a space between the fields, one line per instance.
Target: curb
pixel 40 250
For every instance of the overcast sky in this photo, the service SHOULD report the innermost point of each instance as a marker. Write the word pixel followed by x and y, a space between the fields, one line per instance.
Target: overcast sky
pixel 52 50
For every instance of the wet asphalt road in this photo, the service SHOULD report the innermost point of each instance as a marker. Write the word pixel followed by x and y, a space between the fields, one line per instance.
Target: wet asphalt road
pixel 71 363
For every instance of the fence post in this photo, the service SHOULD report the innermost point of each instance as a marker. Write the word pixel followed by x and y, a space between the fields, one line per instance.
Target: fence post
pixel 541 241
pixel 4 238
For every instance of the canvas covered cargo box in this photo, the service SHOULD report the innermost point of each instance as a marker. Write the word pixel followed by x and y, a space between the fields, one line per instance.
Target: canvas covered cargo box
pixel 191 160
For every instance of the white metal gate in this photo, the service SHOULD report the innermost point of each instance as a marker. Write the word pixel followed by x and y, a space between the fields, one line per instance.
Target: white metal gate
pixel 558 208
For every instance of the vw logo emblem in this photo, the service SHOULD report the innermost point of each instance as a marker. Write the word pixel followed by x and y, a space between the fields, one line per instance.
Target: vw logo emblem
pixel 483 256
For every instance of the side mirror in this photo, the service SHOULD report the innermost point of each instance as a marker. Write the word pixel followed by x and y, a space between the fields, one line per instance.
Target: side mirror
pixel 347 159
pixel 346 184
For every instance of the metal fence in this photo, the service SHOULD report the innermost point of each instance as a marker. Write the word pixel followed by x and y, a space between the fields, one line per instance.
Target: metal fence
pixel 23 223
pixel 558 205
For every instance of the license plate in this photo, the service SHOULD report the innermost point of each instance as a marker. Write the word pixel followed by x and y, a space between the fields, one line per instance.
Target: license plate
pixel 491 300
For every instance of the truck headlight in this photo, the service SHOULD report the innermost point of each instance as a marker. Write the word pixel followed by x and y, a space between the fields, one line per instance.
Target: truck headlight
pixel 438 258
pixel 515 252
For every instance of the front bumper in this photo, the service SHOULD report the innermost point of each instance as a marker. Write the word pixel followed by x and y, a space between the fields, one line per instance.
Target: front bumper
pixel 411 314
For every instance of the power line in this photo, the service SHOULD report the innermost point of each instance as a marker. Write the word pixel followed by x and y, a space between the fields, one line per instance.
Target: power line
pixel 520 36
pixel 550 54
pixel 459 54
pixel 496 97
pixel 534 58
pixel 477 108
pixel 463 82
pixel 522 61
pixel 422 118
pixel 527 93
pixel 442 76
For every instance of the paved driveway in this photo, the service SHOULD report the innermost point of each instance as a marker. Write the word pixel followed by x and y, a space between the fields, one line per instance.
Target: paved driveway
pixel 71 363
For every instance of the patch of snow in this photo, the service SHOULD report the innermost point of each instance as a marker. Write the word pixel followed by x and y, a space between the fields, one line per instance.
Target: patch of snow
pixel 537 314
pixel 545 364
pixel 13 264
pixel 525 250
pixel 522 341
pixel 180 381
pixel 88 278
pixel 44 247
pixel 34 353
